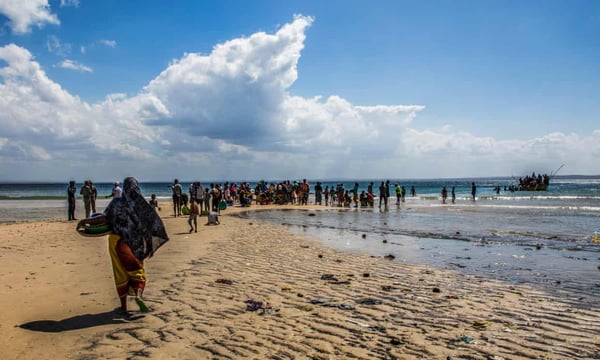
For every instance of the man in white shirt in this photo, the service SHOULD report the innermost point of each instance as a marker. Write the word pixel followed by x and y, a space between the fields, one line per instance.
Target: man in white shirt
pixel 116 191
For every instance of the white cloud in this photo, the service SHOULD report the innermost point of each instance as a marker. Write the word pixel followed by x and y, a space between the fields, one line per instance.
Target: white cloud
pixel 55 46
pixel 73 3
pixel 74 65
pixel 109 43
pixel 23 14
pixel 32 103
pixel 230 114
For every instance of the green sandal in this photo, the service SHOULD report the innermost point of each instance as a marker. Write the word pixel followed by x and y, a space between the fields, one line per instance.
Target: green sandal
pixel 142 305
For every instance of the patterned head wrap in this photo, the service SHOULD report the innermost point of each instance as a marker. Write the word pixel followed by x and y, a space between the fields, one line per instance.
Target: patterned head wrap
pixel 135 221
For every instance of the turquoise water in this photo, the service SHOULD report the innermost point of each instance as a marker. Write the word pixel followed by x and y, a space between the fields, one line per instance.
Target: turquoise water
pixel 574 200
pixel 560 188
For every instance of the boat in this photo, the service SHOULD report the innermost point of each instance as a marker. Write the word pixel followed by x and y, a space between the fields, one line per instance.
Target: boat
pixel 536 182
pixel 534 186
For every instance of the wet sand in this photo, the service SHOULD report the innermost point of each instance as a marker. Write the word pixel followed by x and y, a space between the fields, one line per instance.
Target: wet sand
pixel 246 290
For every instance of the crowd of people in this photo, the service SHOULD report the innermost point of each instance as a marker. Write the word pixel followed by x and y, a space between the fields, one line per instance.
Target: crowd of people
pixel 534 182
pixel 209 200
pixel 216 197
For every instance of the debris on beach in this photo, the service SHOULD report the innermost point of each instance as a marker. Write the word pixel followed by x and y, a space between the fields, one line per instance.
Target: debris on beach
pixel 464 339
pixel 265 308
pixel 345 307
pixel 378 328
pixel 320 301
pixel 268 309
pixel 332 279
pixel 389 257
pixel 368 301
pixel 329 277
pixel 253 305
pixel 224 281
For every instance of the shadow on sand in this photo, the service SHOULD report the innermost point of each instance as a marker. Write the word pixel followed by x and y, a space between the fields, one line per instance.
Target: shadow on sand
pixel 78 322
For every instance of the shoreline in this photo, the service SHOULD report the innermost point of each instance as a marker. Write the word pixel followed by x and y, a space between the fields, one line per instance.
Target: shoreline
pixel 324 303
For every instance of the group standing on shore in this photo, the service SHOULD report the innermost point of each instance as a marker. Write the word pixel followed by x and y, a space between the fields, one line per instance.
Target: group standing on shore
pixel 89 195
pixel 217 197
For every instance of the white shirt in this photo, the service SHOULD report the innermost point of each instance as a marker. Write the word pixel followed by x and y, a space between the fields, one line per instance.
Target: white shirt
pixel 117 192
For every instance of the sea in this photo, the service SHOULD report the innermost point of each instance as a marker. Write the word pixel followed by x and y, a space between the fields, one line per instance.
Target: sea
pixel 547 239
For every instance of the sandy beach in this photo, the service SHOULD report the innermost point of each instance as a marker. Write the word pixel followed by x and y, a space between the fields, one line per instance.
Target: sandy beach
pixel 246 290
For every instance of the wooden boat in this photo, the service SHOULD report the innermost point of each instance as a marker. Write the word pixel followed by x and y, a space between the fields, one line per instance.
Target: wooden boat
pixel 536 183
pixel 534 187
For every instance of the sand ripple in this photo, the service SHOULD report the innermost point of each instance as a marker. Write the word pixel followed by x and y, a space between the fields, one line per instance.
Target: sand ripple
pixel 321 304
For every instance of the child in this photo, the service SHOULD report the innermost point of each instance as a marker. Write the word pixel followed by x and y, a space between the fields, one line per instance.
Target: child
pixel 213 218
pixel 153 202
pixel 194 212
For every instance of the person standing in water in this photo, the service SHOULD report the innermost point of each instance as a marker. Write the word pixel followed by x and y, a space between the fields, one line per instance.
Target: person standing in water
pixel 473 190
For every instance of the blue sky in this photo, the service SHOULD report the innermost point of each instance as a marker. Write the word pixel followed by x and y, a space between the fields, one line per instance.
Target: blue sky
pixel 292 89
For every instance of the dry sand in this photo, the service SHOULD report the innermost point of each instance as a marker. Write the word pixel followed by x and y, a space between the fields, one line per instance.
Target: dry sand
pixel 57 295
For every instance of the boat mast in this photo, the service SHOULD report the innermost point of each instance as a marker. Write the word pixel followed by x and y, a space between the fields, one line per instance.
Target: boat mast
pixel 556 172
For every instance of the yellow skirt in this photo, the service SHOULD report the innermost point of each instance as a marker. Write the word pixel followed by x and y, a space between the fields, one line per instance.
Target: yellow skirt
pixel 127 269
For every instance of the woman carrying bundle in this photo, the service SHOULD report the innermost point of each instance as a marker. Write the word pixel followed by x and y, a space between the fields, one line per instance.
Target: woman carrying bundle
pixel 135 232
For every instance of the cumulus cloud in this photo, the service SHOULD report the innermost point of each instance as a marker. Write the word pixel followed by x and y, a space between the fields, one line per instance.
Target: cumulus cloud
pixel 230 115
pixel 32 103
pixel 23 15
pixel 74 65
